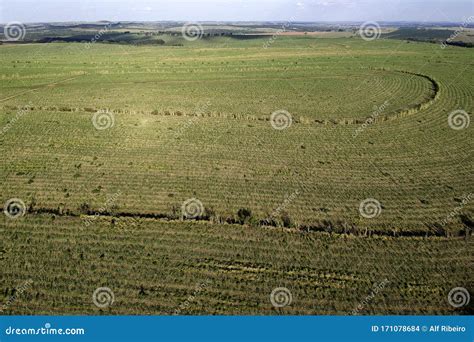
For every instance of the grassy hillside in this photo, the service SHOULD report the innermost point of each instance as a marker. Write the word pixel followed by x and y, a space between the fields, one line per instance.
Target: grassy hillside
pixel 155 267
pixel 365 121
pixel 194 122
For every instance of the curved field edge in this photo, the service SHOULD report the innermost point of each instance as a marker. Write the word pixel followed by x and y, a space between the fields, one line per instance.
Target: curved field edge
pixel 413 108
pixel 431 229
pixel 154 267
pixel 418 168
pixel 409 109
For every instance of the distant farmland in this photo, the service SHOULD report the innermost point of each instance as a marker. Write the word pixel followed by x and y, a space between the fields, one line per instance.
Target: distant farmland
pixel 222 168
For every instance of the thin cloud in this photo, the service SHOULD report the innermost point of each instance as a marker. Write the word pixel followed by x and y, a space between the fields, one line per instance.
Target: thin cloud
pixel 234 10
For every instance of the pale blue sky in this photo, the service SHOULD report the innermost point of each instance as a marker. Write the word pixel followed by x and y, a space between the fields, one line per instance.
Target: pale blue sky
pixel 233 10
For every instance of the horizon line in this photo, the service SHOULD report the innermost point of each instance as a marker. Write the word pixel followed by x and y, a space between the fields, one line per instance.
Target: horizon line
pixel 239 21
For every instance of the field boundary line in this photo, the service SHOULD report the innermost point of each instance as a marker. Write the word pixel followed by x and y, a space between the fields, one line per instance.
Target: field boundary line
pixel 300 228
pixel 41 87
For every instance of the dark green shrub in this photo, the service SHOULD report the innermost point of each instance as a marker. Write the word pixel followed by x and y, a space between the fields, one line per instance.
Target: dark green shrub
pixel 244 215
